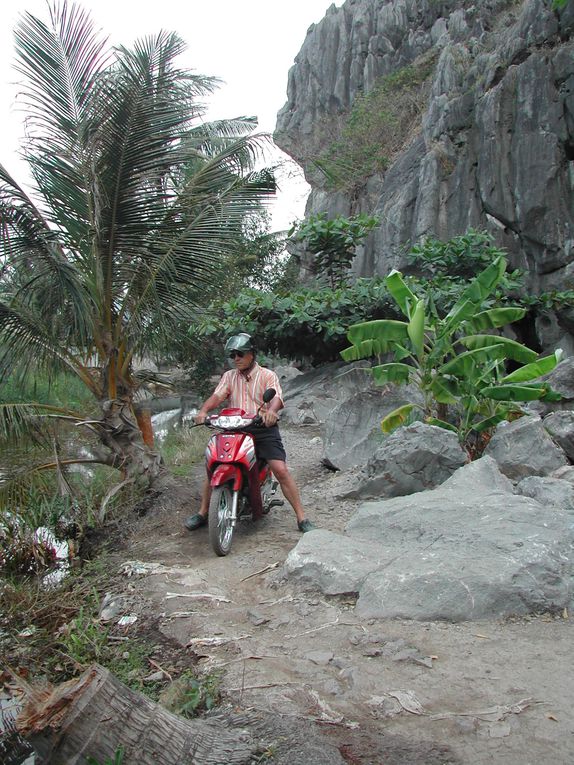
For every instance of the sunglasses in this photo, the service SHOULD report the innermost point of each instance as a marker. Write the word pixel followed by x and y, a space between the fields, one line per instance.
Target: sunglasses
pixel 233 354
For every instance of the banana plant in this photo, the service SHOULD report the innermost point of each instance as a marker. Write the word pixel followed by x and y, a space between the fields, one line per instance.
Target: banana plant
pixel 454 361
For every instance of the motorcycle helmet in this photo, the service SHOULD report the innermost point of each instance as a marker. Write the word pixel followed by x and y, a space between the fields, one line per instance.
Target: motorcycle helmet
pixel 241 342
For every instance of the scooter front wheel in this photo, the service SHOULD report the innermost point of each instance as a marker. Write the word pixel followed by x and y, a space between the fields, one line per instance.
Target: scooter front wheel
pixel 221 519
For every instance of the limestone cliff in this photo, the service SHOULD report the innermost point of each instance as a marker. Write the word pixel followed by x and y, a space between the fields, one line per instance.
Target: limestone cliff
pixel 493 147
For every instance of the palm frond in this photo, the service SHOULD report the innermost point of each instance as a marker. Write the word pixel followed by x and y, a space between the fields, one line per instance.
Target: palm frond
pixel 42 276
pixel 60 63
pixel 24 340
pixel 31 422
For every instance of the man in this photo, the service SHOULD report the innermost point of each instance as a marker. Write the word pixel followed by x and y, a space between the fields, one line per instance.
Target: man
pixel 244 387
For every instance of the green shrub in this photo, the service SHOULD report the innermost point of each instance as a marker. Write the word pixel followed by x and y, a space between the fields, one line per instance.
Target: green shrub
pixel 333 242
pixel 308 324
pixel 379 125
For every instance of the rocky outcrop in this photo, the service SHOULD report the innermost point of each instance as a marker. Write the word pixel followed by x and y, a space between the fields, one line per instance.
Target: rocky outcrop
pixel 494 147
pixel 468 549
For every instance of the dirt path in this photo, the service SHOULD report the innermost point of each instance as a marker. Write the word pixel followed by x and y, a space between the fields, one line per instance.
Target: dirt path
pixel 383 691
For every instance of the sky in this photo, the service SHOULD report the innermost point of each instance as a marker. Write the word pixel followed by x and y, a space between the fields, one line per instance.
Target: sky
pixel 249 44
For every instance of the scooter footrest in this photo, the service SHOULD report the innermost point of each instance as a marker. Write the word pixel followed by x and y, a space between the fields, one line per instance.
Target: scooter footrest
pixel 276 503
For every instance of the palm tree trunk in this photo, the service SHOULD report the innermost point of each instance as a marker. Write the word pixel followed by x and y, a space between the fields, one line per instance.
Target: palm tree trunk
pixel 95 715
pixel 121 432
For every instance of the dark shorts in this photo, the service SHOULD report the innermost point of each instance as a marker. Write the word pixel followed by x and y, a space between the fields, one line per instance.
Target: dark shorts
pixel 268 443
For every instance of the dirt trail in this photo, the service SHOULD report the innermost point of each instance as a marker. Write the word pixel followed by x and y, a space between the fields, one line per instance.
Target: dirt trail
pixel 383 691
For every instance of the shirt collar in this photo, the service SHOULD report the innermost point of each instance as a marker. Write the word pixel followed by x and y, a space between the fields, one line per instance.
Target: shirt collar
pixel 248 374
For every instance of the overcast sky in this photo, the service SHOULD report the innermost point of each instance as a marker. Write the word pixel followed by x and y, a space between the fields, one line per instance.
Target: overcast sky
pixel 250 44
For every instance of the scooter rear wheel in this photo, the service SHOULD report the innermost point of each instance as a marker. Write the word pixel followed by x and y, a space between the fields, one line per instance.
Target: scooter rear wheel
pixel 220 519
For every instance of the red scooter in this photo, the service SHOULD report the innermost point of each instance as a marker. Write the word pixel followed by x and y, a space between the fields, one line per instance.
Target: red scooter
pixel 240 483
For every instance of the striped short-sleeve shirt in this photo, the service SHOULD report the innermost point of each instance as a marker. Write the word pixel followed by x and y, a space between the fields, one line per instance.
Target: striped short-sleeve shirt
pixel 246 391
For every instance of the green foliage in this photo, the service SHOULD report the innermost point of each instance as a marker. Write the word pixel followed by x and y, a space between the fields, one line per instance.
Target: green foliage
pixel 558 4
pixel 379 125
pixel 333 242
pixel 84 639
pixel 553 300
pixel 427 353
pixel 44 387
pixel 190 695
pixel 445 267
pixel 308 324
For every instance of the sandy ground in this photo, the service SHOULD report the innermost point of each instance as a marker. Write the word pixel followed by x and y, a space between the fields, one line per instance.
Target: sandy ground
pixel 381 691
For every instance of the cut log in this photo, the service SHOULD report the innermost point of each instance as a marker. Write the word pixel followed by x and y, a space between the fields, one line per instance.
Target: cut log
pixel 95 715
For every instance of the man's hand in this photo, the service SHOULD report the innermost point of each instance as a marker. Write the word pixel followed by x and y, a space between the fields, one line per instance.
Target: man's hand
pixel 269 419
pixel 200 417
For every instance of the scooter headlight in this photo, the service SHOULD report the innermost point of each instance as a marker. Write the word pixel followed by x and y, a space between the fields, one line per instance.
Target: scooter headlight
pixel 230 422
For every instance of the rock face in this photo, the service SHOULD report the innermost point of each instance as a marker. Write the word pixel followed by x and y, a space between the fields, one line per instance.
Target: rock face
pixel 468 549
pixel 495 144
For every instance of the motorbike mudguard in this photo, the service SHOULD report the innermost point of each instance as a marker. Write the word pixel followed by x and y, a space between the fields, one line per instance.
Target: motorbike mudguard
pixel 224 473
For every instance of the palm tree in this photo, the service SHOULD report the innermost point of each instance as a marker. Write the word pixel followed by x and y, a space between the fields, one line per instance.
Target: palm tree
pixel 135 201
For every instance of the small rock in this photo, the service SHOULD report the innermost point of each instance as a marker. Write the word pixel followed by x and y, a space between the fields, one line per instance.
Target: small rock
pixel 332 687
pixel 155 677
pixel 256 618
pixel 319 657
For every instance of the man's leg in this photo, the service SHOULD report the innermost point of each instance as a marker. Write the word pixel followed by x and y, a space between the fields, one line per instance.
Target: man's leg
pixel 205 497
pixel 200 518
pixel 288 487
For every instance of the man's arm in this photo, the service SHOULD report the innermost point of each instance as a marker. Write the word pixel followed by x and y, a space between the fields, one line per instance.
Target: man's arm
pixel 270 417
pixel 214 400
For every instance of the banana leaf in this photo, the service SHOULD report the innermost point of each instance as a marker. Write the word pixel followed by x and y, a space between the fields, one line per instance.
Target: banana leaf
pixel 441 424
pixel 495 317
pixel 416 328
pixel 382 330
pixel 396 373
pixel 535 369
pixel 513 350
pixel 514 392
pixel 396 418
pixel 401 352
pixel 472 297
pixel 361 351
pixel 491 422
pixel 444 391
pixel 465 364
pixel 404 297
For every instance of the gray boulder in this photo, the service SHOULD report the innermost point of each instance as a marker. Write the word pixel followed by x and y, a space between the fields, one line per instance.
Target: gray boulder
pixel 413 458
pixel 310 397
pixel 560 426
pixel 548 491
pixel 353 428
pixel 340 567
pixel 524 447
pixel 561 379
pixel 468 549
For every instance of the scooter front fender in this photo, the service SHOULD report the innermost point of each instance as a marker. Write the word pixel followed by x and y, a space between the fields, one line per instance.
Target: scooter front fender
pixel 225 473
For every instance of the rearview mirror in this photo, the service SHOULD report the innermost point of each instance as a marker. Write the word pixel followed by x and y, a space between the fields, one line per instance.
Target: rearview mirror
pixel 268 395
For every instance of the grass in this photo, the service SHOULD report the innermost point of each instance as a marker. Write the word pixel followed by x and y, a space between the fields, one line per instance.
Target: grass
pixel 56 633
pixel 183 449
pixel 57 389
